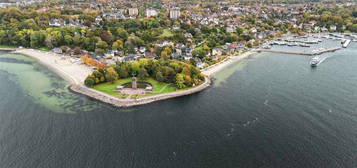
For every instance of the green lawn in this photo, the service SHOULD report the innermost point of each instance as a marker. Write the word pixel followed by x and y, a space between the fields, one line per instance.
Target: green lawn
pixel 6 46
pixel 109 88
pixel 158 88
pixel 44 49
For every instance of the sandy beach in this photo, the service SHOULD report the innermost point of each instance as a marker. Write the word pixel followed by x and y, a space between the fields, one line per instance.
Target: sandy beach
pixel 75 73
pixel 211 70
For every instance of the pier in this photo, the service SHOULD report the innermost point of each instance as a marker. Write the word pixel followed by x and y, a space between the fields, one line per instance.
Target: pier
pixel 300 53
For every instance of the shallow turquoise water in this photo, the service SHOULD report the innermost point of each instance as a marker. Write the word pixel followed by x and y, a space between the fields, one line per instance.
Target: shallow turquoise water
pixel 269 110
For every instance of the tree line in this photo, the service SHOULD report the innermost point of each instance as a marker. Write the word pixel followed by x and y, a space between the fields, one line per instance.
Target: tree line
pixel 169 71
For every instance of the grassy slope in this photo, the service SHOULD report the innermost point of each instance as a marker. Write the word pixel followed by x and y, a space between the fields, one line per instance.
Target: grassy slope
pixel 158 88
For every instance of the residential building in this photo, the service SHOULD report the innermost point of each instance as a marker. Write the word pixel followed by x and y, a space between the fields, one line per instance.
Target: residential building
pixel 133 11
pixel 175 13
pixel 150 12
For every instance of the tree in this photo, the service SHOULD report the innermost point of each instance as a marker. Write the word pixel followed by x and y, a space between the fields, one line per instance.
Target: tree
pixel 179 80
pixel 49 41
pixel 132 42
pixel 2 37
pixel 68 39
pixel 164 55
pixel 118 45
pixel 122 33
pixel 77 39
pixel 249 45
pixel 111 75
pixel 101 44
pixel 100 51
pixel 169 74
pixel 107 37
pixel 37 39
pixel 159 77
pixel 169 71
pixel 134 68
pixel 89 81
pixel 123 72
pixel 143 74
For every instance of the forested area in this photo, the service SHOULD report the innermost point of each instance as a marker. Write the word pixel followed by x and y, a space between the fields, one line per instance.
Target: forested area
pixel 169 71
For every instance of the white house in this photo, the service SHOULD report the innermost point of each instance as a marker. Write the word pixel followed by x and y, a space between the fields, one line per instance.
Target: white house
pixel 175 13
pixel 150 12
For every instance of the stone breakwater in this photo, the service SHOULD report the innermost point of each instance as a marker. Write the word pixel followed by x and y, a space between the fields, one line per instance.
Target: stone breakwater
pixel 300 53
pixel 134 102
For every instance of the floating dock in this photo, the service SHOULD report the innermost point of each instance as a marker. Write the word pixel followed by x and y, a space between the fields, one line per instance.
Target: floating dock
pixel 301 53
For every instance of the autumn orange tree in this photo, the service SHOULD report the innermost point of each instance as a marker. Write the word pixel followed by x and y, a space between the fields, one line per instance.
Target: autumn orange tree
pixel 92 62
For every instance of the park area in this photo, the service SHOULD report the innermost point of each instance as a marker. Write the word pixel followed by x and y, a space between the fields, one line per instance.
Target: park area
pixel 157 88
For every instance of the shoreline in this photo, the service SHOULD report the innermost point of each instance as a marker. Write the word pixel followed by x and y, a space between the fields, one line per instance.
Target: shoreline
pixel 8 49
pixel 213 69
pixel 75 74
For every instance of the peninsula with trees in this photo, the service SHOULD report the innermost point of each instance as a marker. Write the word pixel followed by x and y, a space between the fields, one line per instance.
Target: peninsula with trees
pixel 169 48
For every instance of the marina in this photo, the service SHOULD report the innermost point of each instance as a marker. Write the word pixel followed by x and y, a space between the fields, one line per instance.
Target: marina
pixel 313 39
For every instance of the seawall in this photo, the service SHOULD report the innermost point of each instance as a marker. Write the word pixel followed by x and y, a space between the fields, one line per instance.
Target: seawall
pixel 134 102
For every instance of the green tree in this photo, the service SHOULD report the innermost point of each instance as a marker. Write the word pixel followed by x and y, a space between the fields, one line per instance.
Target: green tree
pixel 122 33
pixel 89 81
pixel 37 39
pixel 123 71
pixel 101 44
pixel 68 39
pixel 159 77
pixel 118 45
pixel 77 39
pixel 143 74
pixel 180 81
pixel 111 75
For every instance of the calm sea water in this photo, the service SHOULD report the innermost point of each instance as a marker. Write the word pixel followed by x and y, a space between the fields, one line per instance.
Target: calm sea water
pixel 270 110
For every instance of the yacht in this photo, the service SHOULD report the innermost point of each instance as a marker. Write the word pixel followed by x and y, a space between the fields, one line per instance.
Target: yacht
pixel 315 61
pixel 304 45
pixel 266 47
